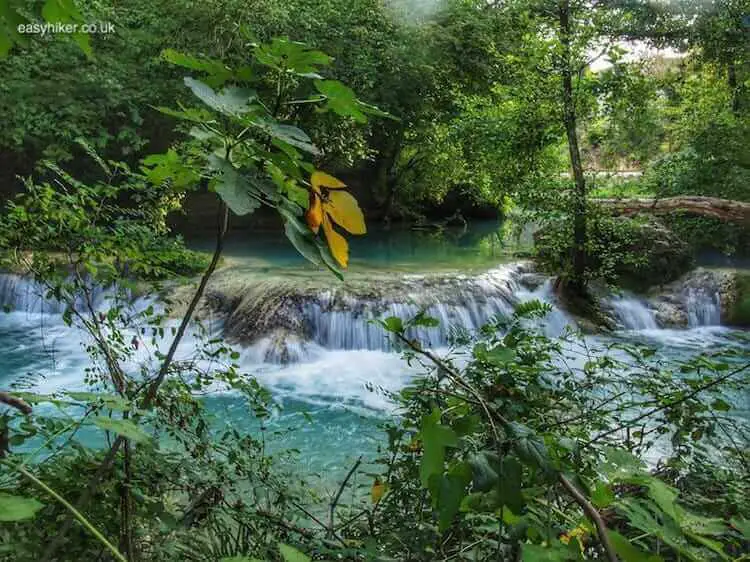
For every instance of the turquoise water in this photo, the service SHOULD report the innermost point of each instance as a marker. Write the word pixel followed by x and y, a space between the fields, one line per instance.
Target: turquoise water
pixel 332 401
pixel 485 244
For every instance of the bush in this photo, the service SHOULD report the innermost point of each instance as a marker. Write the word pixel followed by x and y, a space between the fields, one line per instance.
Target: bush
pixel 710 234
pixel 690 172
pixel 629 252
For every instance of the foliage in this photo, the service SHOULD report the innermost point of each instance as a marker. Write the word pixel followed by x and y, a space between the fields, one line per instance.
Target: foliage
pixel 479 460
pixel 740 309
pixel 162 471
pixel 628 252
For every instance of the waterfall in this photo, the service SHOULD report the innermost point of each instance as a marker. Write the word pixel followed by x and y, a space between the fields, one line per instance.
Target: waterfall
pixel 285 322
pixel 632 313
pixel 22 294
pixel 703 306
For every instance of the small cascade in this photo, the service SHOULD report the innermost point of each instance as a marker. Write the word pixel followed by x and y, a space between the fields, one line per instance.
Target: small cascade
pixel 21 294
pixel 24 295
pixel 632 313
pixel 285 322
pixel 703 306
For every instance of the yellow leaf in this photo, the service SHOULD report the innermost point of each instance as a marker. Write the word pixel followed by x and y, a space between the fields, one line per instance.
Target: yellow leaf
pixel 321 179
pixel 314 213
pixel 345 211
pixel 378 490
pixel 337 243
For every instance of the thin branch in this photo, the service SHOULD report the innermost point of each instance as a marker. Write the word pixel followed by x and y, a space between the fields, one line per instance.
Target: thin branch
pixel 685 398
pixel 77 514
pixel 334 503
pixel 15 402
pixel 579 498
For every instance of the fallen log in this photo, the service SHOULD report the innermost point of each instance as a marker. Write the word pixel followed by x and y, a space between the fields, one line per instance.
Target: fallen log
pixel 723 209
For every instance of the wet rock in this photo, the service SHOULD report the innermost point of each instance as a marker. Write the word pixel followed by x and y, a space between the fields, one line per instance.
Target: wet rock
pixel 702 297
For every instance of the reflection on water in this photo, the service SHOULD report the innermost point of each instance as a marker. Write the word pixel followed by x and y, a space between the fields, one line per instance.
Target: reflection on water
pixel 481 244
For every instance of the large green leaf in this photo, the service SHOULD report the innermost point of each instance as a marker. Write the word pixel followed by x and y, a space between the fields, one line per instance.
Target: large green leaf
pixel 509 484
pixel 230 101
pixel 126 428
pixel 291 554
pixel 217 71
pixel 17 508
pixel 435 438
pixel 306 243
pixel 629 552
pixel 291 56
pixel 341 99
pixel 451 491
pixel 484 474
pixel 289 134
pixel 529 447
pixel 233 188
pixel 65 11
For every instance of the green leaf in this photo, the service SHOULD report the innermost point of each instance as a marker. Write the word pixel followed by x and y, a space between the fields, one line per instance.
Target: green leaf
pixel 394 324
pixel 424 321
pixel 602 496
pixel 233 188
pixel 510 484
pixel 289 134
pixel 17 508
pixel 291 554
pixel 126 428
pixel 484 475
pixel 230 101
pixel 341 99
pixel 111 401
pixel 217 71
pixel 529 447
pixel 302 241
pixel 451 492
pixel 435 438
pixel 742 525
pixel 721 405
pixel 241 559
pixel 629 552
pixel 291 56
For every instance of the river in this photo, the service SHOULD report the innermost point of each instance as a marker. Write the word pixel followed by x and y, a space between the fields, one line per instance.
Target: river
pixel 331 383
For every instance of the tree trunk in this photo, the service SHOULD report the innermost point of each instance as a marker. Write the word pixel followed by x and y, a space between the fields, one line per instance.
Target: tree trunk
pixel 385 176
pixel 734 86
pixel 713 207
pixel 578 281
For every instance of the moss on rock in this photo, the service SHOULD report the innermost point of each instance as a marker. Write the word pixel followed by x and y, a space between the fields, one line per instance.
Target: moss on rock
pixel 738 313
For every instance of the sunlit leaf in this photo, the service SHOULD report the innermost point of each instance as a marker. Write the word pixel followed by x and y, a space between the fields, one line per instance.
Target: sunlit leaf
pixel 377 491
pixel 344 210
pixel 230 101
pixel 17 508
pixel 337 243
pixel 320 179
pixel 126 428
pixel 291 554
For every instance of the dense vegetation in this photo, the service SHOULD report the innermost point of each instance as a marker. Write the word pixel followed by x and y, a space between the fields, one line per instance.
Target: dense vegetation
pixel 516 446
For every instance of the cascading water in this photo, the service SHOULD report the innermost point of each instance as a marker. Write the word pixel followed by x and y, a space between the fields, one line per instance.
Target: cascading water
pixel 316 348
pixel 285 321
pixel 21 294
pixel 632 313
pixel 703 306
